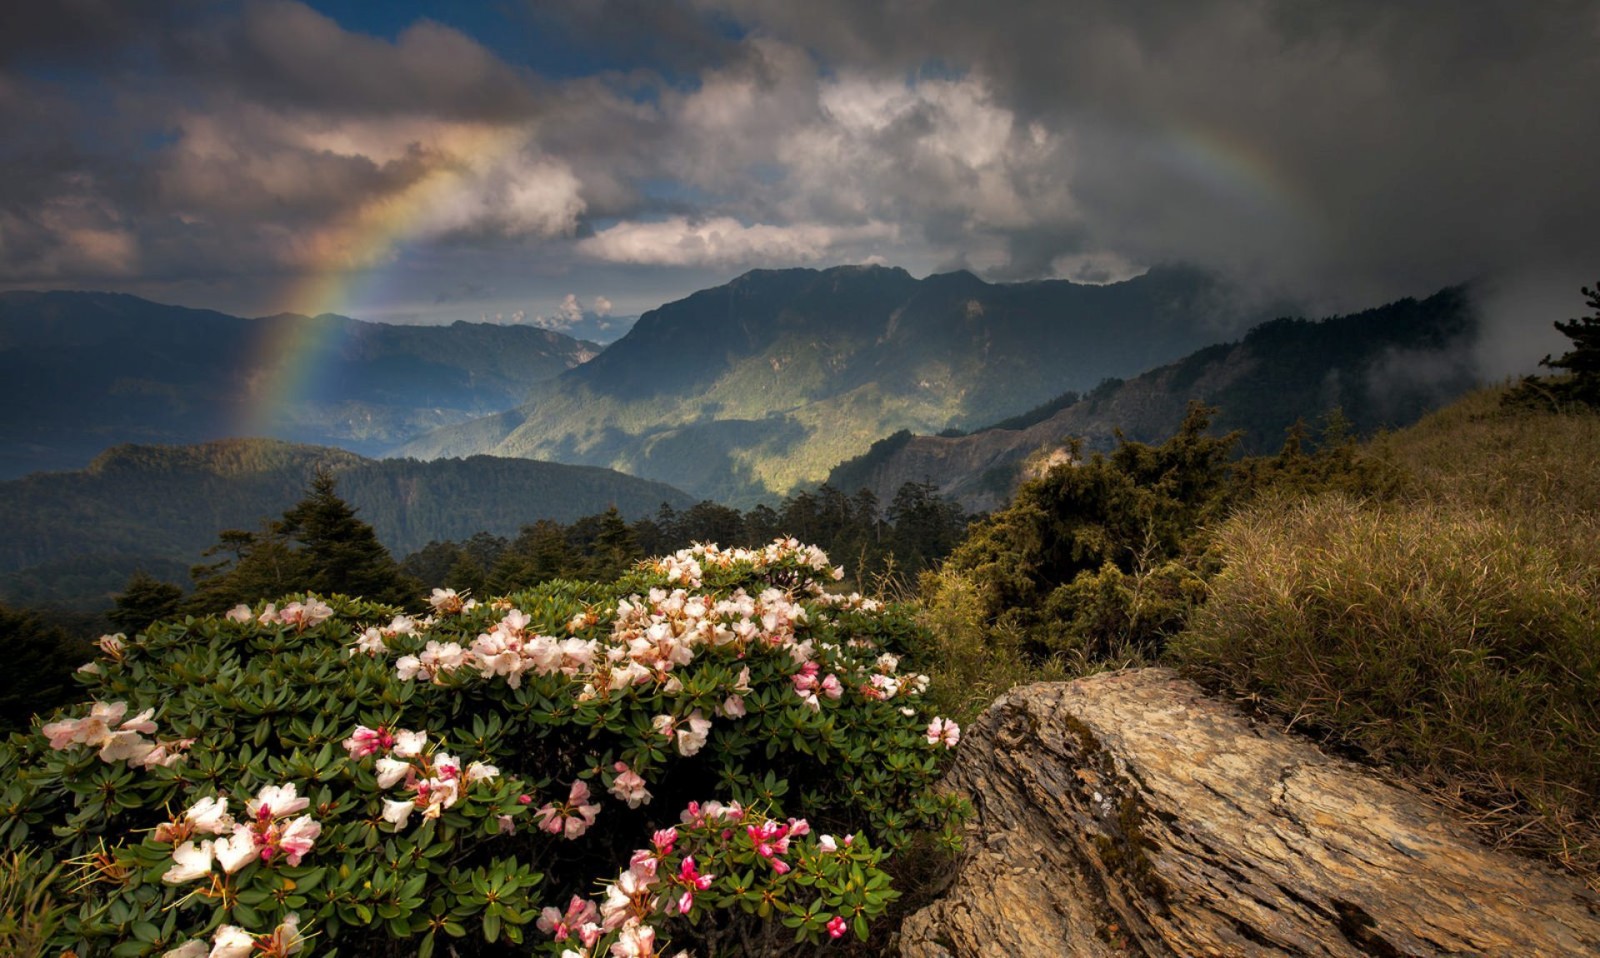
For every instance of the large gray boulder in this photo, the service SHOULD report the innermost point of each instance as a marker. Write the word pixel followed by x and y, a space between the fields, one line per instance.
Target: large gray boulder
pixel 1128 813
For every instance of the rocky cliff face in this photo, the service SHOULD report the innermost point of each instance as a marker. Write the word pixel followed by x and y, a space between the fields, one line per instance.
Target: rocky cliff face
pixel 1128 814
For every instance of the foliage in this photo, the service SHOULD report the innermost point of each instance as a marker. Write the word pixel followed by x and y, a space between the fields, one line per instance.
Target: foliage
pixel 40 659
pixel 732 752
pixel 29 915
pixel 318 545
pixel 1103 521
pixel 144 600
pixel 919 530
pixel 1582 364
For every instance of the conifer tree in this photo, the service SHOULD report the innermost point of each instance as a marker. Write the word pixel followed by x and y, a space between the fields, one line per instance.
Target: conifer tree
pixel 1583 359
pixel 342 552
pixel 40 660
pixel 144 600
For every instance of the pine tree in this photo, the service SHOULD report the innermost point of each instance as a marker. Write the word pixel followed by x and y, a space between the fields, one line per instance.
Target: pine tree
pixel 342 552
pixel 318 546
pixel 145 599
pixel 1583 359
pixel 40 659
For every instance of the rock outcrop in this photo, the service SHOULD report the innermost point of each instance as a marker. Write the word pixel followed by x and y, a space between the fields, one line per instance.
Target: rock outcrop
pixel 1128 813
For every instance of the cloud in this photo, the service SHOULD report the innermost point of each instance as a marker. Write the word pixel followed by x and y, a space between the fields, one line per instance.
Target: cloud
pixel 285 54
pixel 1348 150
pixel 1341 154
pixel 723 241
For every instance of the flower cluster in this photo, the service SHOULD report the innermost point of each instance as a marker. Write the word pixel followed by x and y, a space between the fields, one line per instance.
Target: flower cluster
pixel 267 833
pixel 450 602
pixel 569 819
pixel 231 941
pixel 118 739
pixel 771 840
pixel 687 566
pixel 374 641
pixel 300 615
pixel 434 780
pixel 943 731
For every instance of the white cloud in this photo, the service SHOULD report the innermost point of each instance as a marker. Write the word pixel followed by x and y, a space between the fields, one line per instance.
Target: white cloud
pixel 725 242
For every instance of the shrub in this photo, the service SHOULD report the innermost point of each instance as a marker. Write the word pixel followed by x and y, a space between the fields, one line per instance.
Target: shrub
pixel 728 752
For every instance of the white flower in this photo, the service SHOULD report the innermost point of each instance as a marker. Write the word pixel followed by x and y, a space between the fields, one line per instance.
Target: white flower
pixel 391 771
pixel 397 813
pixel 189 862
pixel 193 948
pixel 409 744
pixel 231 941
pixel 235 851
pixel 479 772
pixel 239 613
pixel 691 739
pixel 279 800
pixel 209 816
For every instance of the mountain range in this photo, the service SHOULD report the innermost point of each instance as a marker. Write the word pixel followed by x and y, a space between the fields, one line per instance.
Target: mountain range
pixel 74 538
pixel 751 389
pixel 81 372
pixel 1383 367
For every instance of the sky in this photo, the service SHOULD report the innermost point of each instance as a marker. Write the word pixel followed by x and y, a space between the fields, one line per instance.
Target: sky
pixel 533 160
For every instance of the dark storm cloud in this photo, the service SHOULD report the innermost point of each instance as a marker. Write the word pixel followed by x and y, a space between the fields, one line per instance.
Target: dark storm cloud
pixel 79 32
pixel 285 54
pixel 1371 146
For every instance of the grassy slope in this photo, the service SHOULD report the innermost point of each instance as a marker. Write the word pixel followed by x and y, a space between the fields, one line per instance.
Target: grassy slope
pixel 1453 633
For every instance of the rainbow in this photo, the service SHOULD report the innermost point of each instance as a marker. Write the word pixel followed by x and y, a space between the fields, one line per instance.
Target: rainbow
pixel 1233 170
pixel 352 259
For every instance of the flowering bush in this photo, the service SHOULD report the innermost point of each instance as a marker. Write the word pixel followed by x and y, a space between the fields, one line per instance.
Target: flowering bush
pixel 714 751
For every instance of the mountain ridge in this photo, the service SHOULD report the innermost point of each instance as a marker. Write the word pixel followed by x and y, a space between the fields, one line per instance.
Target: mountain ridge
pixel 1384 366
pixel 148 372
pixel 747 390
pixel 158 507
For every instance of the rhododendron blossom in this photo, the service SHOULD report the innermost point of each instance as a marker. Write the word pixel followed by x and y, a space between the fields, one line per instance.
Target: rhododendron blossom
pixel 305 615
pixel 943 731
pixel 117 739
pixel 837 927
pixel 267 833
pixel 628 786
pixel 368 741
pixel 561 926
pixel 569 819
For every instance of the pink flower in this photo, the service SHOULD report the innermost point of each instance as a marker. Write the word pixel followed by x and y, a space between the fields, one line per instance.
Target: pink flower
pixel 298 837
pixel 692 739
pixel 692 881
pixel 629 787
pixel 368 741
pixel 836 927
pixel 942 730
pixel 663 840
pixel 239 613
pixel 831 687
pixel 569 819
pixel 580 912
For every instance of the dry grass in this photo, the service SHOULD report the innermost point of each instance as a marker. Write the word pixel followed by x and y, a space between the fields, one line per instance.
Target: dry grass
pixel 29 914
pixel 1454 634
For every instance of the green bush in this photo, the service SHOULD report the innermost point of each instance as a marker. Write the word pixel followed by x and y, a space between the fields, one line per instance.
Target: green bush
pixel 719 745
